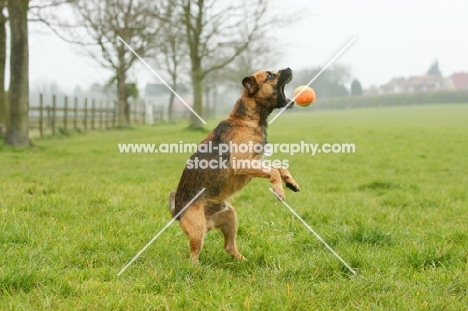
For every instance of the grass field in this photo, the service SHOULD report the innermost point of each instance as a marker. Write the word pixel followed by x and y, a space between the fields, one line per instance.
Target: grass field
pixel 74 211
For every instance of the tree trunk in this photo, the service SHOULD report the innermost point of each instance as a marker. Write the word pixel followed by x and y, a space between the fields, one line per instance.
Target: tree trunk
pixel 197 99
pixel 18 129
pixel 124 108
pixel 215 99
pixel 170 108
pixel 206 100
pixel 3 99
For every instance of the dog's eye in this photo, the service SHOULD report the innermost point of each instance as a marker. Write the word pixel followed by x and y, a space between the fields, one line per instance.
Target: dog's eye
pixel 270 76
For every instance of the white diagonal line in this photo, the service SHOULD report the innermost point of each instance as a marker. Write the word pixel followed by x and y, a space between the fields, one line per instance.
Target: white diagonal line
pixel 313 79
pixel 313 231
pixel 160 232
pixel 161 79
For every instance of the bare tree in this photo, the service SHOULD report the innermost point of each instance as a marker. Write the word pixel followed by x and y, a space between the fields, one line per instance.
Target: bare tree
pixel 18 130
pixel 172 54
pixel 258 55
pixel 98 26
pixel 209 22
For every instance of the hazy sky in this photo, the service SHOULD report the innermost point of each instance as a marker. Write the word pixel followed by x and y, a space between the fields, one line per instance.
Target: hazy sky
pixel 396 38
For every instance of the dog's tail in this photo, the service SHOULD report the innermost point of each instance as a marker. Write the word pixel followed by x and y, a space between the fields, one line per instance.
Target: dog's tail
pixel 172 203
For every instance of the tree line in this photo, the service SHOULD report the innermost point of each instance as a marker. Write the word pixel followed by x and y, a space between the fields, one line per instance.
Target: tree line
pixel 197 40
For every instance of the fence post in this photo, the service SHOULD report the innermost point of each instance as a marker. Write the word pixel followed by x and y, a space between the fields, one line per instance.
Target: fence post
pixel 149 117
pixel 48 109
pixel 143 114
pixel 140 106
pixel 135 112
pixel 41 117
pixel 85 119
pixel 53 114
pixel 114 114
pixel 100 114
pixel 107 114
pixel 65 112
pixel 75 114
pixel 93 109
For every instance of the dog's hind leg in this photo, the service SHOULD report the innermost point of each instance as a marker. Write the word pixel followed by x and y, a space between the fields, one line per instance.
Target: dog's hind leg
pixel 226 221
pixel 193 223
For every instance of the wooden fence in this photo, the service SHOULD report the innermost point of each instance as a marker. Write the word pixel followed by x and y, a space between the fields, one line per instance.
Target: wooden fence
pixel 90 114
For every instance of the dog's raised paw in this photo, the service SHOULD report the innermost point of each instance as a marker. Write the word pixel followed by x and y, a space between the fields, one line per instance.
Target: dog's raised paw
pixel 293 186
pixel 279 192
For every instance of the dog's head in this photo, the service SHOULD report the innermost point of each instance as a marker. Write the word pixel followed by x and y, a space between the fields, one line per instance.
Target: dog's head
pixel 267 88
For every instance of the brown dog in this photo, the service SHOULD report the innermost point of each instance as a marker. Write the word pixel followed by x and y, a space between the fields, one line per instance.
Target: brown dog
pixel 247 123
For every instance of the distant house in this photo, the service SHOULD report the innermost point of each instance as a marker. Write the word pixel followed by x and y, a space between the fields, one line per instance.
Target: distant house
pixel 412 84
pixel 457 81
pixel 394 86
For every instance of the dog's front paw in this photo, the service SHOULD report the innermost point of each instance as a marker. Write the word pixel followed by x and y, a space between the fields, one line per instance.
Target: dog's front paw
pixel 293 185
pixel 280 193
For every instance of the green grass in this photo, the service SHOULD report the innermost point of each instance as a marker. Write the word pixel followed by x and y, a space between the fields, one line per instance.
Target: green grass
pixel 73 211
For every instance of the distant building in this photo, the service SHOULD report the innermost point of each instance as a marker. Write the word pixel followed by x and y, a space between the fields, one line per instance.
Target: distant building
pixel 457 81
pixel 412 84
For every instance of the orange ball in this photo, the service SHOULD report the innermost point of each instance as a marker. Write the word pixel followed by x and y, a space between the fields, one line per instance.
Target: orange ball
pixel 307 96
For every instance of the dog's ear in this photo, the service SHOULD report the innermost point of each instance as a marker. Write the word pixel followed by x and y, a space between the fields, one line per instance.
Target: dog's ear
pixel 250 84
